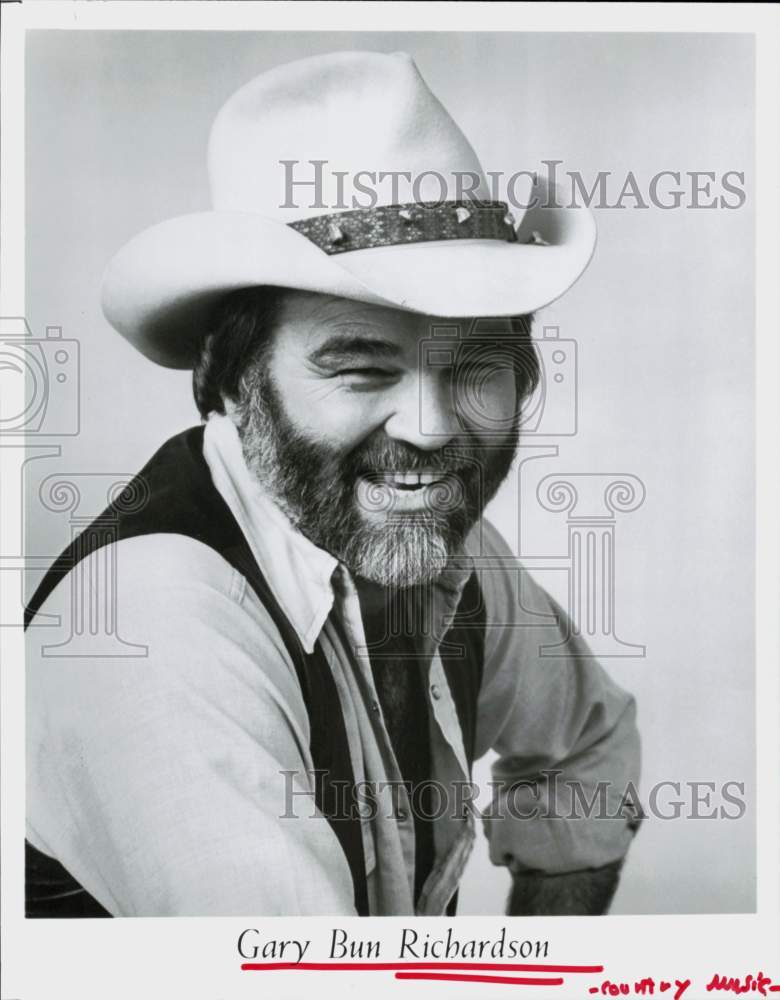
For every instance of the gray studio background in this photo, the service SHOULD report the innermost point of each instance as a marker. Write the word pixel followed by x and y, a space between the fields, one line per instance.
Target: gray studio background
pixel 116 135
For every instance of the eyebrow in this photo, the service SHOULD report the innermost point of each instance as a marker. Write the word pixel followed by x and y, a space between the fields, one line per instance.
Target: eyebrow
pixel 344 347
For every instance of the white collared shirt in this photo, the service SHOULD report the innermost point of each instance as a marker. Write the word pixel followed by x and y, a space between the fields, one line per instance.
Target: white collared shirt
pixel 177 782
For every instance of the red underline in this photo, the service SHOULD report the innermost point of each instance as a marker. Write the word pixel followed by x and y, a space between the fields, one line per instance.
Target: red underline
pixel 400 966
pixel 454 978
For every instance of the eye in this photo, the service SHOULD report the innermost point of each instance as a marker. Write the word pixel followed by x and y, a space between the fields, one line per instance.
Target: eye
pixel 368 375
pixel 367 379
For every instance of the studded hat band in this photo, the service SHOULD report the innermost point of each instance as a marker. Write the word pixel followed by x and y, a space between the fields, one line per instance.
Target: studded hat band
pixel 413 222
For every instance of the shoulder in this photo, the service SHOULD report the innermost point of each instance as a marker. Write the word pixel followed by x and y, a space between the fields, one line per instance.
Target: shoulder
pixel 498 569
pixel 485 539
pixel 163 611
pixel 165 563
pixel 502 575
pixel 520 615
pixel 148 571
pixel 152 567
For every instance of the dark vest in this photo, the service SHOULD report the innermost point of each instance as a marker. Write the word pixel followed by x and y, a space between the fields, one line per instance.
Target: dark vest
pixel 180 498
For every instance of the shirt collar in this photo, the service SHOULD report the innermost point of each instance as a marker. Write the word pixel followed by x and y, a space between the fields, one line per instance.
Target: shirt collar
pixel 297 571
pixel 301 576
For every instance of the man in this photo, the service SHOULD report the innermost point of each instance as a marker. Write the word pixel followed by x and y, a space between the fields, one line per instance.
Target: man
pixel 334 632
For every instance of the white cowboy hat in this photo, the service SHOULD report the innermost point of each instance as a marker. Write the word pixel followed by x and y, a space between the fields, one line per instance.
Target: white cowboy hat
pixel 365 126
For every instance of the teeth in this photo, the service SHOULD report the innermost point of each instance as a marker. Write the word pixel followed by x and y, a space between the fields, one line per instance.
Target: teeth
pixel 411 478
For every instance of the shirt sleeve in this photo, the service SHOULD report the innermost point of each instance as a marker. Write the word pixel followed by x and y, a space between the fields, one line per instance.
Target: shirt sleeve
pixel 167 780
pixel 564 795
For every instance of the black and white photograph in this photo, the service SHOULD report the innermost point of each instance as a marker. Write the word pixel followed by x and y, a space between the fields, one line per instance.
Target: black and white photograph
pixel 379 443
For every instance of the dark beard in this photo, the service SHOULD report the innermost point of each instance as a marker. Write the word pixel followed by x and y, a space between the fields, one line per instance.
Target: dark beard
pixel 330 497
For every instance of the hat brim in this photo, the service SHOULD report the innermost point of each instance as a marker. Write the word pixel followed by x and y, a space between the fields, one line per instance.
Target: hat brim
pixel 156 288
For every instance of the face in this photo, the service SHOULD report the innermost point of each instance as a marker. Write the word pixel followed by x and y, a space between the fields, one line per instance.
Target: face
pixel 382 434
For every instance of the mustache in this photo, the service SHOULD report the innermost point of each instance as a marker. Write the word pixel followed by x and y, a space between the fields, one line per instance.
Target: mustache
pixel 392 456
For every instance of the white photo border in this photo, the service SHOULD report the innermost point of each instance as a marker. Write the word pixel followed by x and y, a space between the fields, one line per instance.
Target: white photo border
pixel 197 957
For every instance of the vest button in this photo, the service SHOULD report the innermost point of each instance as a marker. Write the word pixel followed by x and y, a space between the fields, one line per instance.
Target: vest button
pixel 375 707
pixel 435 692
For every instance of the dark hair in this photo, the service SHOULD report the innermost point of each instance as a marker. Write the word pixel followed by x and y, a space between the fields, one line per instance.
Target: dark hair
pixel 239 332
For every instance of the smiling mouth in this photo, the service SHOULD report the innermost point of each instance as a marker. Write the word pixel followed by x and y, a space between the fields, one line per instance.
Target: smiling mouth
pixel 407 481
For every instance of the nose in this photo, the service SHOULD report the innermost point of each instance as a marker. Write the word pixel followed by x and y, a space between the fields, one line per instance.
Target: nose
pixel 423 412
